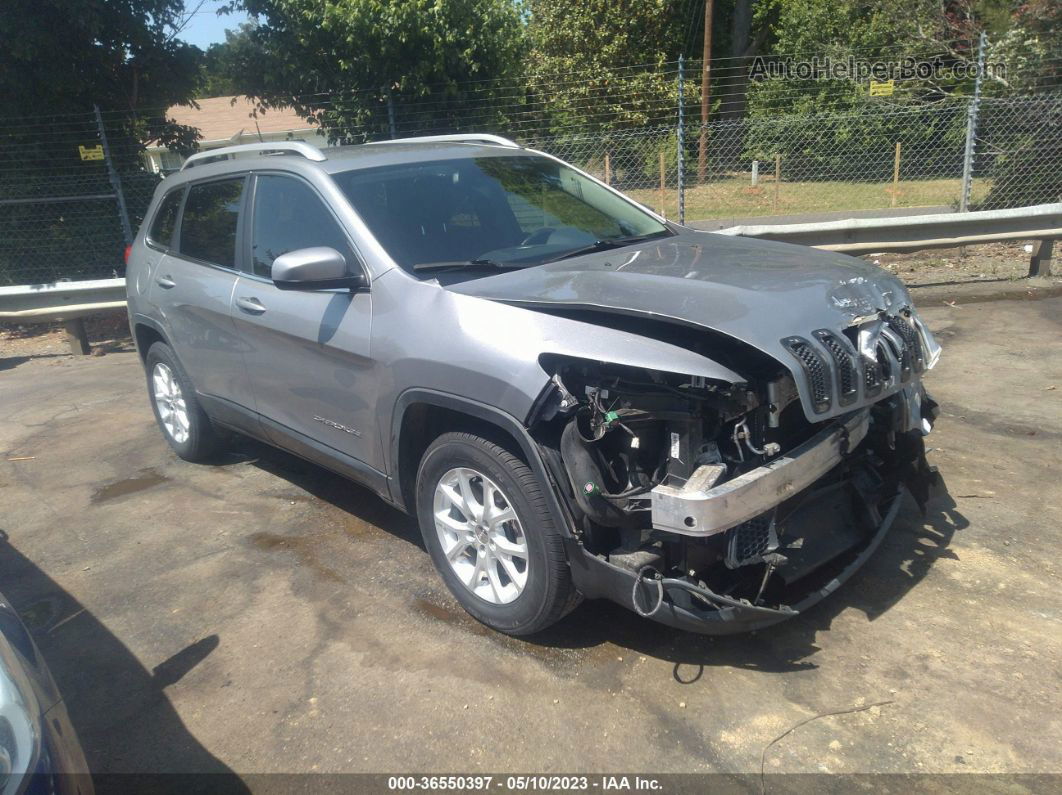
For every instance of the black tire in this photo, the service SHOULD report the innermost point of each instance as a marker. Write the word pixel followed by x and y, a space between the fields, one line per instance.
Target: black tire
pixel 203 440
pixel 548 593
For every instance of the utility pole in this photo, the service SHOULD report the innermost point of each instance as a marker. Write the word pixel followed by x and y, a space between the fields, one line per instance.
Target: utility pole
pixel 702 151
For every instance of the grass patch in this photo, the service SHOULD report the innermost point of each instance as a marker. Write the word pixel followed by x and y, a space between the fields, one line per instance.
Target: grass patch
pixel 735 198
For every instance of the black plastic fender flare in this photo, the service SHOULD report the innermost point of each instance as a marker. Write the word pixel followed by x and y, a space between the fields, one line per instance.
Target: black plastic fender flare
pixel 485 413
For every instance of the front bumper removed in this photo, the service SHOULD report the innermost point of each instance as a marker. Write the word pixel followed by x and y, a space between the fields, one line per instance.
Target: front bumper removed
pixel 596 578
pixel 699 508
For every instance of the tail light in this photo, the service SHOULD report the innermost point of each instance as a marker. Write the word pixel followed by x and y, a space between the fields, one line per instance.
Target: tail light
pixel 128 251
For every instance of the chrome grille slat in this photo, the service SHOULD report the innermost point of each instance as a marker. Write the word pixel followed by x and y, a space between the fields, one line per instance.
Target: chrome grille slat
pixel 903 328
pixel 896 346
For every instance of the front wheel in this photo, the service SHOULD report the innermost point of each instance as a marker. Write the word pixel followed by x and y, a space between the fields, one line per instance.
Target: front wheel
pixel 490 535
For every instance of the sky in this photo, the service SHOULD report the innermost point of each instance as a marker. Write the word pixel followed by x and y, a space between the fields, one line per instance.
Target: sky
pixel 206 27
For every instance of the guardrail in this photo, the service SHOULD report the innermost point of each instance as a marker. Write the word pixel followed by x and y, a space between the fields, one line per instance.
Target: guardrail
pixel 68 302
pixel 1042 222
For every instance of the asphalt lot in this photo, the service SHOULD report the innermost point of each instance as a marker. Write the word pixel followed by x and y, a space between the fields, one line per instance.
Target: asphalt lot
pixel 263 615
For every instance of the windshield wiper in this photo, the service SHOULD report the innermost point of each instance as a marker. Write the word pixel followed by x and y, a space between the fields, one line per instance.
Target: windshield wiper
pixel 467 263
pixel 606 244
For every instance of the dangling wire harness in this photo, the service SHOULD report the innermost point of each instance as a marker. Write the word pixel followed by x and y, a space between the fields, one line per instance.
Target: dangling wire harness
pixel 708 595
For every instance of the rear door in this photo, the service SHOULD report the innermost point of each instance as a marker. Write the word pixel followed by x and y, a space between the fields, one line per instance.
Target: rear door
pixel 307 354
pixel 192 287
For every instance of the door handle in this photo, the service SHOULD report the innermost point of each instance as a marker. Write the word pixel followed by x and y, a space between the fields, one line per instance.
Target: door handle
pixel 165 282
pixel 252 305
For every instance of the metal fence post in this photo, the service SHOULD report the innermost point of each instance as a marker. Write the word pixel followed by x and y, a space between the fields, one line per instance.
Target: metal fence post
pixel 971 130
pixel 681 141
pixel 1040 261
pixel 116 181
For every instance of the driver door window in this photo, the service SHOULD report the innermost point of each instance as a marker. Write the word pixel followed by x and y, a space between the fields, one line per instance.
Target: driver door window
pixel 289 215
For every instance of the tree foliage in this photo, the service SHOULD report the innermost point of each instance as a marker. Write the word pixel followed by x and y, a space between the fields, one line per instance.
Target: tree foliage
pixel 579 54
pixel 64 56
pixel 58 58
pixel 1028 140
pixel 220 73
pixel 337 61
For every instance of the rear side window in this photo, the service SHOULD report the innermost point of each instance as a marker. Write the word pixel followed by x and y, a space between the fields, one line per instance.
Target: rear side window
pixel 208 226
pixel 161 232
pixel 289 215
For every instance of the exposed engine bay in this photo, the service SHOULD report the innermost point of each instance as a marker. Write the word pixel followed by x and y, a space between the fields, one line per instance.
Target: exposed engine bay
pixel 725 501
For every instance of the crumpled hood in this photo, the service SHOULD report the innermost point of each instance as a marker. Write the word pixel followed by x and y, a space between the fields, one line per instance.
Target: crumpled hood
pixel 757 291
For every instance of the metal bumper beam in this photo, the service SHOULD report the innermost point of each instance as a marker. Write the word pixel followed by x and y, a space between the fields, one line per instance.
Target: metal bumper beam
pixel 694 510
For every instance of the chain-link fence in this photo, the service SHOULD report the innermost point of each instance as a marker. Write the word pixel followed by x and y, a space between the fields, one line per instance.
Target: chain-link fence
pixel 800 164
pixel 73 190
pixel 71 186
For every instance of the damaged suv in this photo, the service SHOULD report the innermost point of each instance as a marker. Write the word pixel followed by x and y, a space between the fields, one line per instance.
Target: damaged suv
pixel 575 397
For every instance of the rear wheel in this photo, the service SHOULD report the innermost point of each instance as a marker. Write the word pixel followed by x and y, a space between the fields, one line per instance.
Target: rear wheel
pixel 490 535
pixel 177 411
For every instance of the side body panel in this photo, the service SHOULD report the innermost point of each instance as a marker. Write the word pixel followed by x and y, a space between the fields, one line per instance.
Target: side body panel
pixel 308 363
pixel 195 310
pixel 191 300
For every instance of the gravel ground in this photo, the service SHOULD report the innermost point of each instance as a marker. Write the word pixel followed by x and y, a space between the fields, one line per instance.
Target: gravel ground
pixel 988 262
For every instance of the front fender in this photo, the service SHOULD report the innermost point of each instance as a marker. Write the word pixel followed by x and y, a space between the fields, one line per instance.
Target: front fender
pixel 481 412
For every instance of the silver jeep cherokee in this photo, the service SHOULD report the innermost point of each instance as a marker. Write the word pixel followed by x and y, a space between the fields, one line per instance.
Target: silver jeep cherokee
pixel 576 397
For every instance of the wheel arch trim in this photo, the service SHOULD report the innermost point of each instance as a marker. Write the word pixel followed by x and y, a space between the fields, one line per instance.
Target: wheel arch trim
pixel 482 412
pixel 138 319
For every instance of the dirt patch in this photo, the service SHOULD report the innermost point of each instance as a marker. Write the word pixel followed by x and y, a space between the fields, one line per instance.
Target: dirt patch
pixel 107 332
pixel 304 548
pixel 148 478
pixel 985 262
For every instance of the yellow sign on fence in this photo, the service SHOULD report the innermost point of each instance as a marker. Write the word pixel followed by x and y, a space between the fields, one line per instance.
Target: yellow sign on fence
pixel 91 152
pixel 884 89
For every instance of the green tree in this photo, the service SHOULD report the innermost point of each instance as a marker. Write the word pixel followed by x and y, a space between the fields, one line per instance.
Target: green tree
pixel 445 64
pixel 1025 134
pixel 833 128
pixel 581 57
pixel 64 56
pixel 57 59
pixel 220 74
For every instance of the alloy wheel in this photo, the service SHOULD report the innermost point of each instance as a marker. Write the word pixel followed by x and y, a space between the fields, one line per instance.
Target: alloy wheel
pixel 169 400
pixel 481 535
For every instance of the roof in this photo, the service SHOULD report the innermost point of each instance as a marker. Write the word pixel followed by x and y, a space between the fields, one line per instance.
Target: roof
pixel 223 118
pixel 348 158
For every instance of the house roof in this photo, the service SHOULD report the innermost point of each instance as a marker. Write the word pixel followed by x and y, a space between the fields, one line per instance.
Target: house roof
pixel 222 118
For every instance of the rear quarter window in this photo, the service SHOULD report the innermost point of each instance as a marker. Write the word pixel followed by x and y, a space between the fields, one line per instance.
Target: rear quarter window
pixel 161 231
pixel 208 225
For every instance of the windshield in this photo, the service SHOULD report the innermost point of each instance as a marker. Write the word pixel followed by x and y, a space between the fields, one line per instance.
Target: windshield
pixel 499 212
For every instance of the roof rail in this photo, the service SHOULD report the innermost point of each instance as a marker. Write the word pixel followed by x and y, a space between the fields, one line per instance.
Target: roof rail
pixel 460 138
pixel 309 151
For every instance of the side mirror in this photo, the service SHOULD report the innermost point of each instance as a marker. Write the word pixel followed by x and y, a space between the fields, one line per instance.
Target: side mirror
pixel 318 268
